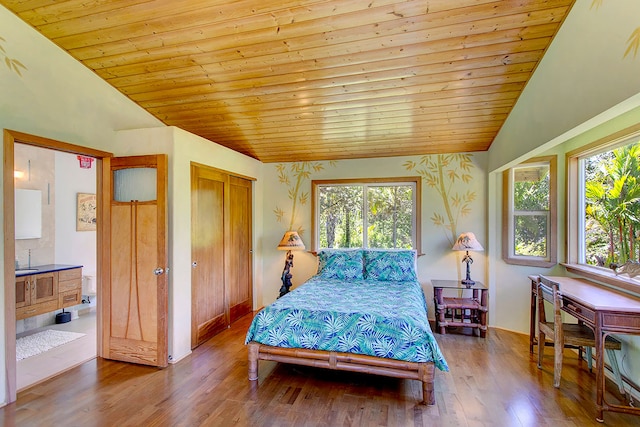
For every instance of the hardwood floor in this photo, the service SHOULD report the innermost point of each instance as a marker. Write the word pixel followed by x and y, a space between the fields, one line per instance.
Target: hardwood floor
pixel 492 382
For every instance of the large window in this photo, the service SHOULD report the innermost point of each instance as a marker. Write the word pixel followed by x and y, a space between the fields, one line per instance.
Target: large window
pixel 529 216
pixel 604 205
pixel 366 213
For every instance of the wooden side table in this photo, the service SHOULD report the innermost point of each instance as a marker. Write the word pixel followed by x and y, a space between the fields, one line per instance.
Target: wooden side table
pixel 461 311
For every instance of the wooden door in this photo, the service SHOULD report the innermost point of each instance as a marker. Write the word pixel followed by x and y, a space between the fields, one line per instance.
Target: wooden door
pixel 134 292
pixel 209 314
pixel 240 249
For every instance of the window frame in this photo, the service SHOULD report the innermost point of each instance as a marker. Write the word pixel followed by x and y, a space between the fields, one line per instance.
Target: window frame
pixel 575 210
pixel 508 213
pixel 416 181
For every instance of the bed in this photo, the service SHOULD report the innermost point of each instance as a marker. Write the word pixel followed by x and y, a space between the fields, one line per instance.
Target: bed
pixel 364 311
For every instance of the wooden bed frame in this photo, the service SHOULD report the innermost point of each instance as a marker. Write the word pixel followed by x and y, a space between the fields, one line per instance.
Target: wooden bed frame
pixel 421 371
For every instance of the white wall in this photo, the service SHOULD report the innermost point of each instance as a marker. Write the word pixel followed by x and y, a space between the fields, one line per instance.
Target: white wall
pixel 72 246
pixel 38 167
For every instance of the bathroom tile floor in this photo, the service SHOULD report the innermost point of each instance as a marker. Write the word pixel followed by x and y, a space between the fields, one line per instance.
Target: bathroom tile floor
pixel 38 368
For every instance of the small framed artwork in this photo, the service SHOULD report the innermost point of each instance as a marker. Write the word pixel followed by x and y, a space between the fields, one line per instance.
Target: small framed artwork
pixel 86 212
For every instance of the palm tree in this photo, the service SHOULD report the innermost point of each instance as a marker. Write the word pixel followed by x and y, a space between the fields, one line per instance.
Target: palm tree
pixel 613 193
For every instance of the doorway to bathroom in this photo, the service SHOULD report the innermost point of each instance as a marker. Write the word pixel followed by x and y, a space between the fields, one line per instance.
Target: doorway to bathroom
pixel 55 229
pixel 11 295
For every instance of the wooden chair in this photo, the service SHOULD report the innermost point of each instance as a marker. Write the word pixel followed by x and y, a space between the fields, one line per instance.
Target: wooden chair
pixel 568 334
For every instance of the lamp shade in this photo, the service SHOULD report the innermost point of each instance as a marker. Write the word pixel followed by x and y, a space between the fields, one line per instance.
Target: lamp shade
pixel 467 242
pixel 291 241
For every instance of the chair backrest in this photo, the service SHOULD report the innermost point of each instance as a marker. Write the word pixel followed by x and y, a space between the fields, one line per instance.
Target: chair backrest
pixel 549 290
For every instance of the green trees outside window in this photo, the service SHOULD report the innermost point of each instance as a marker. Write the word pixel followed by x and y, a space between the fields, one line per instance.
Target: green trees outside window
pixel 531 210
pixel 529 220
pixel 341 219
pixel 372 215
pixel 612 206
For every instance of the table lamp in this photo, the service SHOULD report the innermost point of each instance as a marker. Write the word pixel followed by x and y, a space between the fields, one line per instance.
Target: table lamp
pixel 467 242
pixel 291 241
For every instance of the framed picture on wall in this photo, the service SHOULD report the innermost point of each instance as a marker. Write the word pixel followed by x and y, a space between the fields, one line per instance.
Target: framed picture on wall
pixel 86 212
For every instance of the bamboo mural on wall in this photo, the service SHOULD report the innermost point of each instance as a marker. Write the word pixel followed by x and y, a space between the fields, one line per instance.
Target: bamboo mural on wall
pixel 296 176
pixel 443 172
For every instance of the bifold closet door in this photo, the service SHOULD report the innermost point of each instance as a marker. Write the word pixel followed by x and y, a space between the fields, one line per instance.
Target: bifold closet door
pixel 240 249
pixel 209 212
pixel 222 253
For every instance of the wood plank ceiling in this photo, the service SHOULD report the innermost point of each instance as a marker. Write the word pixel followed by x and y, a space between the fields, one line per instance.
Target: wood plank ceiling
pixel 312 80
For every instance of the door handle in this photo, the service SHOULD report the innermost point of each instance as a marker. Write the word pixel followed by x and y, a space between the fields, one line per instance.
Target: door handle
pixel 158 271
pixel 194 264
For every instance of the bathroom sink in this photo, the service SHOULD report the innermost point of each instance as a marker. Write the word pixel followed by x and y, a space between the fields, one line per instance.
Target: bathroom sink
pixel 26 270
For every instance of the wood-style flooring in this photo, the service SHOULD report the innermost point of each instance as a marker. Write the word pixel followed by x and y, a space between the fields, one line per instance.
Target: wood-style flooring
pixel 492 382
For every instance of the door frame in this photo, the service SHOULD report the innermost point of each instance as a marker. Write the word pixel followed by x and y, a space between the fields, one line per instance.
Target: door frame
pixel 9 139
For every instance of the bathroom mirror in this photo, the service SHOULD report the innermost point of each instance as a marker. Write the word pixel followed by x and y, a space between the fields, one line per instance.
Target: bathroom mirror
pixel 28 210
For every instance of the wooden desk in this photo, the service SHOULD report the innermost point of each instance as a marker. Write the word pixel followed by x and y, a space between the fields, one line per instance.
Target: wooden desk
pixel 459 311
pixel 604 310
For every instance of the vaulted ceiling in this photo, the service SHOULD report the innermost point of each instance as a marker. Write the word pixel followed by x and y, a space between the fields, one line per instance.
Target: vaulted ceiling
pixel 312 80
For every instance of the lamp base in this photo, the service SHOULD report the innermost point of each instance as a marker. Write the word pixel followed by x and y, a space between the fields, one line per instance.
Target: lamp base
pixel 286 275
pixel 468 282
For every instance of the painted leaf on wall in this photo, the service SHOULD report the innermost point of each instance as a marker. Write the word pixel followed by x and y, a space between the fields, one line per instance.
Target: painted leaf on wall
pixel 11 63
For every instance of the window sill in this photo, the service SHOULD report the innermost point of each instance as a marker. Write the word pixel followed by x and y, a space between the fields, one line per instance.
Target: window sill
pixel 530 262
pixel 605 276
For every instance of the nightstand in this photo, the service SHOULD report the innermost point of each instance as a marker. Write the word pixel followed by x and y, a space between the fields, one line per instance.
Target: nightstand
pixel 467 311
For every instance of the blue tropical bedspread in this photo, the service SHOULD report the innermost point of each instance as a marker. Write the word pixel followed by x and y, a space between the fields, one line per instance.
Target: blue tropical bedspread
pixel 375 318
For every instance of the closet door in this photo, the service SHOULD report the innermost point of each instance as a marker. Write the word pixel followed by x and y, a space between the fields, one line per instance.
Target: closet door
pixel 239 280
pixel 209 308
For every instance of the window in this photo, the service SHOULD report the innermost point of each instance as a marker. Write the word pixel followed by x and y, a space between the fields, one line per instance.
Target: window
pixel 603 226
pixel 605 179
pixel 529 213
pixel 374 213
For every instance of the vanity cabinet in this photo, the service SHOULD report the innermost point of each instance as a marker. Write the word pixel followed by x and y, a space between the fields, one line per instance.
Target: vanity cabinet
pixel 40 293
pixel 23 291
pixel 69 287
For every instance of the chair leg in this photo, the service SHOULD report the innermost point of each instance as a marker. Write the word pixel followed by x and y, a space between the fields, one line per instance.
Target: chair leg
pixel 589 353
pixel 541 341
pixel 613 360
pixel 558 350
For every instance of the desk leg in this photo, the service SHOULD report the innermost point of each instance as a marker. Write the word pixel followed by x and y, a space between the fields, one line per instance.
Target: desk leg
pixel 532 314
pixel 599 374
